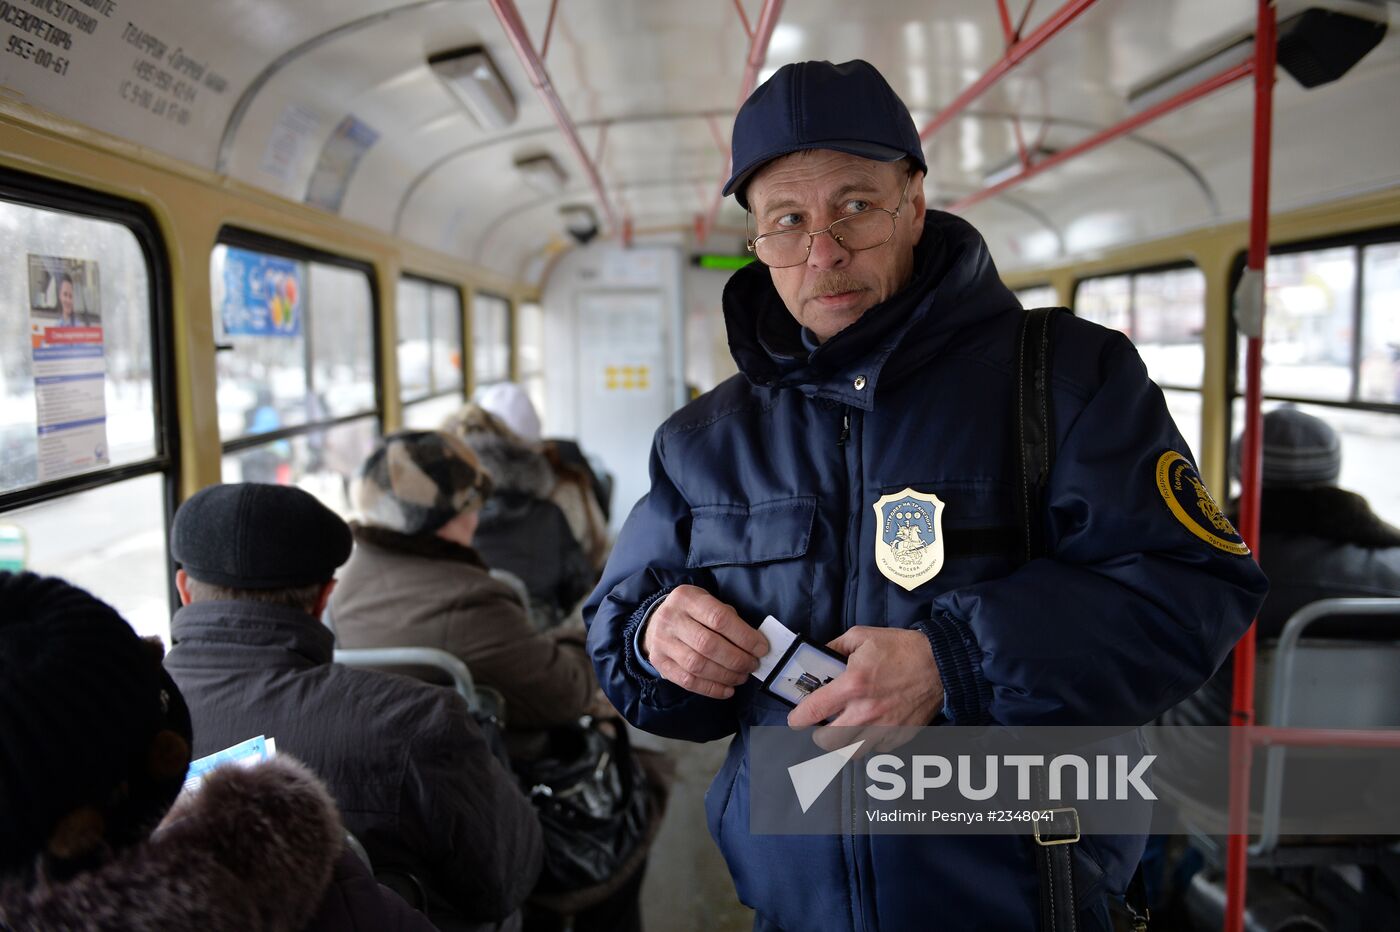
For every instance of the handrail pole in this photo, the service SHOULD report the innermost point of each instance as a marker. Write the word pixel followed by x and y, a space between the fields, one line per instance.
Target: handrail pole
pixel 1237 852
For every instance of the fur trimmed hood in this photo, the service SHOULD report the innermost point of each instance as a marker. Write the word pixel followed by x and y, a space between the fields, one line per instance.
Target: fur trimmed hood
pixel 514 467
pixel 253 850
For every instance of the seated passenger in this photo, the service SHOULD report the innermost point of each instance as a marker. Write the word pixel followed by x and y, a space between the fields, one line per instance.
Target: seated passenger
pixel 96 744
pixel 405 761
pixel 577 489
pixel 415 580
pixel 1316 541
pixel 522 530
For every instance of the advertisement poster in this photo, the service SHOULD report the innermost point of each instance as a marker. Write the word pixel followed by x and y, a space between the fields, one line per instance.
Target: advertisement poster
pixel 340 157
pixel 65 327
pixel 262 295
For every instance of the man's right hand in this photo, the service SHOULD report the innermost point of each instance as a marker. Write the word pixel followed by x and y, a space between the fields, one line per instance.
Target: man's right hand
pixel 702 645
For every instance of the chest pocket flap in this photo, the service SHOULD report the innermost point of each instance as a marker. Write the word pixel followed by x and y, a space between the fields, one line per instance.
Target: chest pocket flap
pixel 722 535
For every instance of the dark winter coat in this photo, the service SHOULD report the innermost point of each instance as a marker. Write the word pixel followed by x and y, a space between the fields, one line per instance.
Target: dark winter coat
pixel 762 494
pixel 400 591
pixel 256 850
pixel 405 761
pixel 525 533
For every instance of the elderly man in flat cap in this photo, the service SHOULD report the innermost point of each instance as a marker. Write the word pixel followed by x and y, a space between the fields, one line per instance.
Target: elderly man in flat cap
pixel 990 515
pixel 406 762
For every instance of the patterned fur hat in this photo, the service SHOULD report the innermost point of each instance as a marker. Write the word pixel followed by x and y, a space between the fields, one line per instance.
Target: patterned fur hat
pixel 419 480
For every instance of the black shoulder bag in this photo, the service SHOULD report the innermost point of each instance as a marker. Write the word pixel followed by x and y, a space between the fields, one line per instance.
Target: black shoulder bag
pixel 1035 436
pixel 590 794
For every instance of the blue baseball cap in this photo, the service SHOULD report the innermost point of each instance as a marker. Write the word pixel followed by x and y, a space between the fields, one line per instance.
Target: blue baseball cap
pixel 848 107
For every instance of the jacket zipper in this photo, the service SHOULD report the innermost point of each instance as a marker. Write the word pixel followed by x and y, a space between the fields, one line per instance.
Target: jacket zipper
pixel 854 470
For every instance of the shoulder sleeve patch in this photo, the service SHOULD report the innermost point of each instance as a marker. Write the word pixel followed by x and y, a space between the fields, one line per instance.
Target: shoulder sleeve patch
pixel 1192 505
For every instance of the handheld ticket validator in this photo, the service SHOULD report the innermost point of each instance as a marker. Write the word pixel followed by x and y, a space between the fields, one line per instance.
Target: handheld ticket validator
pixel 794 667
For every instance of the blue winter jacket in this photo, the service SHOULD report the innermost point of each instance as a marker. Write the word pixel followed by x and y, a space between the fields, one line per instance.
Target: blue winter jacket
pixel 762 494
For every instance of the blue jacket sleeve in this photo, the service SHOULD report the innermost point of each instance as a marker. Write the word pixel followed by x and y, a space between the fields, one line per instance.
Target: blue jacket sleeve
pixel 647 562
pixel 1132 610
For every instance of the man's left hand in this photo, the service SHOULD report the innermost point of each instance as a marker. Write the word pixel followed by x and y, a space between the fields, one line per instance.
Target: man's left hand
pixel 890 679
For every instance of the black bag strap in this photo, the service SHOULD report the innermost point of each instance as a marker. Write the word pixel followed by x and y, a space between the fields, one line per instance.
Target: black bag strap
pixel 1035 427
pixel 1035 451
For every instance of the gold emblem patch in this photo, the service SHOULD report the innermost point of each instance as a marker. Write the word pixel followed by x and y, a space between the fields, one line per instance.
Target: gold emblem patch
pixel 1192 505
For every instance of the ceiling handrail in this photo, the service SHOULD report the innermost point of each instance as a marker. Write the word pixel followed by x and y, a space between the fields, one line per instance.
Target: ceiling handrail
pixel 1014 55
pixel 762 35
pixel 515 30
pixel 1113 132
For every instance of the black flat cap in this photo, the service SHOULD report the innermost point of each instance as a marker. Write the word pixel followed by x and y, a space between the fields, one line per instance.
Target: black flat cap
pixel 249 535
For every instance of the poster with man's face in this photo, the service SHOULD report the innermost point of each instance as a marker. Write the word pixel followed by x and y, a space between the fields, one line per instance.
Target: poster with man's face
pixel 63 293
pixel 65 328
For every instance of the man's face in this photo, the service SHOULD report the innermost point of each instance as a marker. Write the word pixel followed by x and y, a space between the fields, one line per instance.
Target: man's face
pixel 809 190
pixel 65 298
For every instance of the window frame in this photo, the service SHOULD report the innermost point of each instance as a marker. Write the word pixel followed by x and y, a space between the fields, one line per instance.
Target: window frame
pixel 1357 241
pixel 476 381
pixel 242 238
pixel 1175 265
pixel 50 194
pixel 463 348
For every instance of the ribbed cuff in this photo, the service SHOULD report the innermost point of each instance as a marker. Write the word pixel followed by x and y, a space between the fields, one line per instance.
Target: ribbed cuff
pixel 636 665
pixel 967 696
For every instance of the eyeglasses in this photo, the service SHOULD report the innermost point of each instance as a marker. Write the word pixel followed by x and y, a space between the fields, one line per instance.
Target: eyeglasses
pixel 783 249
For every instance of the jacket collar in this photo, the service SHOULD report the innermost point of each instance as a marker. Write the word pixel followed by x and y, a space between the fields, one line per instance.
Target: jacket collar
pixel 420 545
pixel 954 284
pixel 253 624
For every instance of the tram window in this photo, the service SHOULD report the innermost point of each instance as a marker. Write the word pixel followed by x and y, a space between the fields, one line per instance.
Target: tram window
pixel 491 339
pixel 1309 334
pixel 531 351
pixel 97 268
pixel 1108 301
pixel 429 351
pixel 1038 296
pixel 85 456
pixel 1380 324
pixel 297 362
pixel 296 341
pixel 109 540
pixel 1370 449
pixel 1163 312
pixel 322 460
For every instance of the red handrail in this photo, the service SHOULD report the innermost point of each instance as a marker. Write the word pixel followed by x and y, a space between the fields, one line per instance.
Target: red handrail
pixel 1014 55
pixel 519 37
pixel 1237 847
pixel 760 38
pixel 1187 96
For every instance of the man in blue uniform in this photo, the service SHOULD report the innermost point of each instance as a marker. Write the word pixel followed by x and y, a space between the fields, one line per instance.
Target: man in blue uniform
pixel 858 481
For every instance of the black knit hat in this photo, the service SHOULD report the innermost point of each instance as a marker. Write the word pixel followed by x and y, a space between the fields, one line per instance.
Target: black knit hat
pixel 248 535
pixel 94 736
pixel 418 480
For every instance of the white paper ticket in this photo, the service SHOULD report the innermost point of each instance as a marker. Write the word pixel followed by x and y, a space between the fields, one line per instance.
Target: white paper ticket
pixel 779 639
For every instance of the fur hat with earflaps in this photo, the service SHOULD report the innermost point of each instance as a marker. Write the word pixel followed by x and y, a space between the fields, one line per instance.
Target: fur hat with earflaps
pixel 417 481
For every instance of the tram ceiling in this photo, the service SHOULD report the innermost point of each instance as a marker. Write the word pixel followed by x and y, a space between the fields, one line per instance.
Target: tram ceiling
pixel 333 102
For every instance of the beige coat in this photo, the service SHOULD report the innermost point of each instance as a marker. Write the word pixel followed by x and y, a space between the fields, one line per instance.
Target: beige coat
pixel 400 591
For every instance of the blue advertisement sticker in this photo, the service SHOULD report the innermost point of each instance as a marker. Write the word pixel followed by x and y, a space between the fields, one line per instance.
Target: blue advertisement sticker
pixel 262 295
